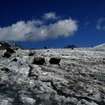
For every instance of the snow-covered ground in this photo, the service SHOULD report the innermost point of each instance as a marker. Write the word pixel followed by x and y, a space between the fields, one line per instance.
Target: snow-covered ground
pixel 78 79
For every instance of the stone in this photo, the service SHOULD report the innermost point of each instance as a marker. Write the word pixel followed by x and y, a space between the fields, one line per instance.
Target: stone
pixel 55 61
pixel 39 60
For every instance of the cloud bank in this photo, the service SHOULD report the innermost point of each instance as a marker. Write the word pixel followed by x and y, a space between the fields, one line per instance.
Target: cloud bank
pixel 37 30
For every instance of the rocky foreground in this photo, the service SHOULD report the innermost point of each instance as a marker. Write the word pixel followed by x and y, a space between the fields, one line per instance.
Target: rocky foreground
pixel 51 76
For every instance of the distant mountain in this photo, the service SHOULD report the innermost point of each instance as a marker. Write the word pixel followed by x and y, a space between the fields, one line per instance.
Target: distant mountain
pixel 100 47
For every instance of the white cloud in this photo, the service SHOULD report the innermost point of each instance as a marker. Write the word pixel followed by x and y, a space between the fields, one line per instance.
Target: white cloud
pixel 101 24
pixel 50 15
pixel 37 30
pixel 63 28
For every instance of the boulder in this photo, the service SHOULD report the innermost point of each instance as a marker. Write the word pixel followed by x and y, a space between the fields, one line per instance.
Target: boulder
pixel 39 61
pixel 55 61
pixel 8 53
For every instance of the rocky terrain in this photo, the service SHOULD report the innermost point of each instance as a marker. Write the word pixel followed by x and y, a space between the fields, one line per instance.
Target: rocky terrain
pixel 51 76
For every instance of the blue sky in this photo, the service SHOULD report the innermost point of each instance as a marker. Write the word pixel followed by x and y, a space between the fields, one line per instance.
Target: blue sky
pixel 89 16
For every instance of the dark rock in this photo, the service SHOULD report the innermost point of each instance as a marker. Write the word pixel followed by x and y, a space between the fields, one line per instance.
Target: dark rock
pixel 11 51
pixel 7 55
pixel 31 54
pixel 39 60
pixel 55 61
pixel 15 59
pixel 104 60
pixel 5 69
